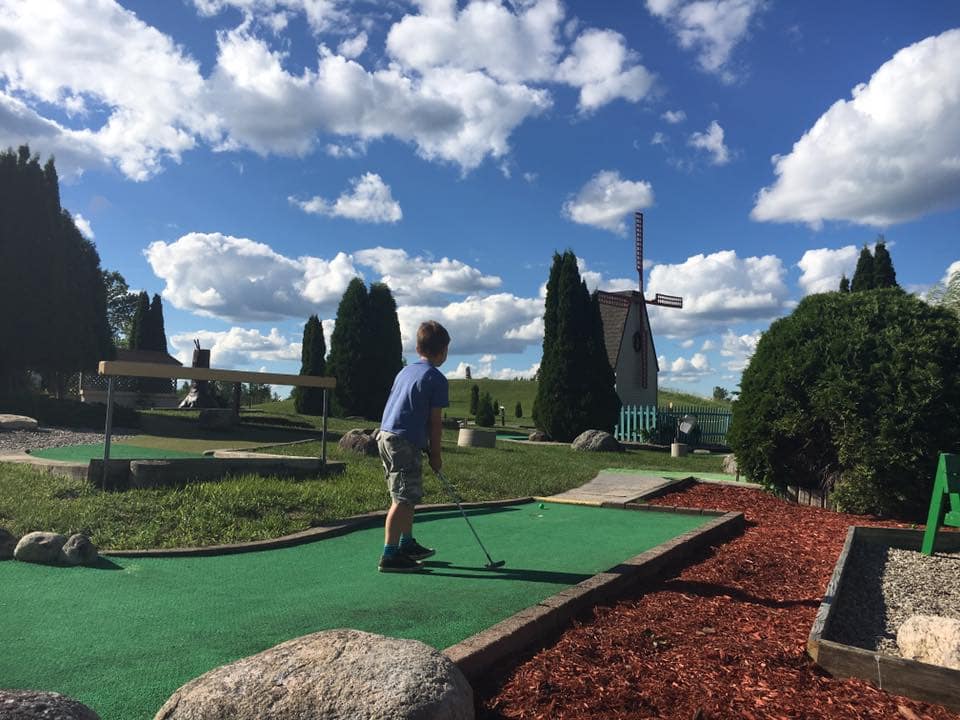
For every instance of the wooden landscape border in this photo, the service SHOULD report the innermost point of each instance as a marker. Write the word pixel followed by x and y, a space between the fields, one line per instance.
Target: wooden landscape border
pixel 910 678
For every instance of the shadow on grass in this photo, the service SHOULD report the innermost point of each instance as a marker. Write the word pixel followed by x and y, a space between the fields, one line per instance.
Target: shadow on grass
pixel 479 572
pixel 172 427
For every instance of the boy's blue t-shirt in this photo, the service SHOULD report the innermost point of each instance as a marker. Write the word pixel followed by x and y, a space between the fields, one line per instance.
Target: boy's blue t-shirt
pixel 417 389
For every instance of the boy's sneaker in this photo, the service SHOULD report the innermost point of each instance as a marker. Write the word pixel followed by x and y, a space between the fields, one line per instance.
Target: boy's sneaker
pixel 399 563
pixel 416 551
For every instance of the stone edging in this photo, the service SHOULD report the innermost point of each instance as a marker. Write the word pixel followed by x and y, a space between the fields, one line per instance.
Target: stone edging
pixel 537 625
pixel 340 527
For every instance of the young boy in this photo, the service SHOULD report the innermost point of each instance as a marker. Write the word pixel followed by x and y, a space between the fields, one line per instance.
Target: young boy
pixel 411 424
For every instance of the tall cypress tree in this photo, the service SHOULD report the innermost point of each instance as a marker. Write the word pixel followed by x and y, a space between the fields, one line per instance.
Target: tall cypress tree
pixel 348 344
pixel 309 401
pixel 883 273
pixel 844 283
pixel 549 336
pixel 139 337
pixel 157 331
pixel 383 356
pixel 863 276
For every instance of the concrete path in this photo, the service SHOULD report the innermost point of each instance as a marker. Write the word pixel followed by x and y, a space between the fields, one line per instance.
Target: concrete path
pixel 618 487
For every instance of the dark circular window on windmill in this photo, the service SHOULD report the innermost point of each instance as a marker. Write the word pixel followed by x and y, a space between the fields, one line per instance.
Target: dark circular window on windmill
pixel 637 341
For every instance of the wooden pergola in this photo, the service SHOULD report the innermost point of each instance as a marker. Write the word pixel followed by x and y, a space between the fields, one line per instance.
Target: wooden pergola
pixel 112 369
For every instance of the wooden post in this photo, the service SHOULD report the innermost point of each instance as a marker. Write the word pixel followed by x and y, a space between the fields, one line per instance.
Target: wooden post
pixel 323 434
pixel 108 430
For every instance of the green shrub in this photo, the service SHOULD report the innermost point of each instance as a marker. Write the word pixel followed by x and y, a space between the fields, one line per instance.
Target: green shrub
pixel 485 414
pixel 857 392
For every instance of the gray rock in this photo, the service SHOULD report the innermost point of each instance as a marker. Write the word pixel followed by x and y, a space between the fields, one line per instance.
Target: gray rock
pixel 8 541
pixel 596 441
pixel 17 422
pixel 36 705
pixel 931 639
pixel 78 550
pixel 39 547
pixel 330 674
pixel 539 436
pixel 730 465
pixel 362 442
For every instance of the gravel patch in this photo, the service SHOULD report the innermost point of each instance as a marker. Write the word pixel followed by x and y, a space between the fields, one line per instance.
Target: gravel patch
pixel 883 586
pixel 16 441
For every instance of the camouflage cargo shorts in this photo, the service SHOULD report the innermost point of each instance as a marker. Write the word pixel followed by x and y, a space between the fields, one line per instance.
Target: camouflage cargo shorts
pixel 403 467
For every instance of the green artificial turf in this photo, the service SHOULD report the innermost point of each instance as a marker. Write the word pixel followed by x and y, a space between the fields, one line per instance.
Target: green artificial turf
pixel 123 637
pixel 118 451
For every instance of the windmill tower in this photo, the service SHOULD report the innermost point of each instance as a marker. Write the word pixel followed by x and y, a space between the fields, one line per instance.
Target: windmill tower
pixel 627 336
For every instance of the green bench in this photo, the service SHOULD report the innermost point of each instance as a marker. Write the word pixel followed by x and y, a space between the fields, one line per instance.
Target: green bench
pixel 945 501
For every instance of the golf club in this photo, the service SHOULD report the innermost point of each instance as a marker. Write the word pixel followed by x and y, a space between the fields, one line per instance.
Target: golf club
pixel 491 565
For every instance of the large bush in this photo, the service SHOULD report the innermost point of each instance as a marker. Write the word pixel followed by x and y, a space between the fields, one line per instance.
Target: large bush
pixel 858 392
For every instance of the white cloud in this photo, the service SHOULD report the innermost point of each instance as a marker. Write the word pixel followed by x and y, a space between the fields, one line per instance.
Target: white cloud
pixel 369 200
pixel 604 69
pixel 485 370
pixel 658 139
pixel 607 199
pixel 237 279
pixel 416 279
pixel 712 142
pixel 684 370
pixel 237 347
pixel 708 345
pixel 821 269
pixel 954 268
pixel 477 325
pixel 98 56
pixel 687 344
pixel 320 14
pixel 717 290
pixel 353 47
pixel 83 225
pixel 887 155
pixel 739 349
pixel 711 28
pixel 596 280
pixel 674 116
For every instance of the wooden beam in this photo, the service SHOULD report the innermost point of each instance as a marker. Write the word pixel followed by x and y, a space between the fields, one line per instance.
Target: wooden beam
pixel 158 370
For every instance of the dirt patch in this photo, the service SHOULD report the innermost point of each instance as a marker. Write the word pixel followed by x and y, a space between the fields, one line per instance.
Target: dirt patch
pixel 724 639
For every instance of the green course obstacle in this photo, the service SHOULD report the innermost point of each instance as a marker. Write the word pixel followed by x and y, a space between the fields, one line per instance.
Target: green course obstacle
pixel 946 492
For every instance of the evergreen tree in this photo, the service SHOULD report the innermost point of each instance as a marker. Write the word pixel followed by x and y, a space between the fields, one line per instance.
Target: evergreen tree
pixel 474 399
pixel 844 283
pixel 348 345
pixel 383 355
pixel 519 410
pixel 863 276
pixel 884 275
pixel 485 413
pixel 121 305
pixel 576 388
pixel 309 401
pixel 139 335
pixel 157 332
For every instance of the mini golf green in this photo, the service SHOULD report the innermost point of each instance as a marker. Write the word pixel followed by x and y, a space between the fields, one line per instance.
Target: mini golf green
pixel 118 451
pixel 123 637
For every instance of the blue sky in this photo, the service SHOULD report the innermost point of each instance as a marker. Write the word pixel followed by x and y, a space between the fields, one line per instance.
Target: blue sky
pixel 247 158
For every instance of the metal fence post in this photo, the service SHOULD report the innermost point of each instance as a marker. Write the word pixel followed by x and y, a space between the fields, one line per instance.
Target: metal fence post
pixel 108 430
pixel 323 435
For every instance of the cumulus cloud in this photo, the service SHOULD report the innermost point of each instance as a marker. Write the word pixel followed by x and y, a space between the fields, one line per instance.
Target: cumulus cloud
pixel 597 281
pixel 951 271
pixel 83 225
pixel 237 279
pixel 718 290
pixel 237 347
pixel 320 14
pixel 485 370
pixel 739 349
pixel 684 370
pixel 415 279
pixel 607 199
pixel 369 200
pixel 821 269
pixel 711 28
pixel 353 47
pixel 712 142
pixel 674 116
pixel 887 155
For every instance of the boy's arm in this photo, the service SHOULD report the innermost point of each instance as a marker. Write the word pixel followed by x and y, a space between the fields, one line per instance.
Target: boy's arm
pixel 435 430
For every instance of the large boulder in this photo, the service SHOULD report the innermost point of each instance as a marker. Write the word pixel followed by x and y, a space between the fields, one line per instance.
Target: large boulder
pixel 362 442
pixel 17 422
pixel 596 441
pixel 39 547
pixel 8 541
pixel 35 705
pixel 931 639
pixel 79 550
pixel 330 674
pixel 730 465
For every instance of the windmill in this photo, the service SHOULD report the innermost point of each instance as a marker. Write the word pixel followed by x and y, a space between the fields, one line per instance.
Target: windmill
pixel 625 314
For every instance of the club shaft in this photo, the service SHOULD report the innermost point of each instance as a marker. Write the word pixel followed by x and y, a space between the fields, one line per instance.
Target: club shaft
pixel 456 499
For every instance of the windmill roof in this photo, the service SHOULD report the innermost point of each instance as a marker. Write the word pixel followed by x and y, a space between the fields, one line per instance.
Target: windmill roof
pixel 614 309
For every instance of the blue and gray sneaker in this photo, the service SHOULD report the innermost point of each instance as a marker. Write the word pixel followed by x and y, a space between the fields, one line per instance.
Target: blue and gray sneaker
pixel 415 551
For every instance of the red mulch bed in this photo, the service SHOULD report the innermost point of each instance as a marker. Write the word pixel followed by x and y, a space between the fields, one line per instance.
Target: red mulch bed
pixel 726 638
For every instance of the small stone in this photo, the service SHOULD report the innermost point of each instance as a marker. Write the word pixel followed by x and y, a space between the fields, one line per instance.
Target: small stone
pixel 8 541
pixel 78 550
pixel 39 547
pixel 729 465
pixel 35 705
pixel 538 436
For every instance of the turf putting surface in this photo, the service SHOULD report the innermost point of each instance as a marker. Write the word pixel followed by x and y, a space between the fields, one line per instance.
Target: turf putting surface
pixel 118 451
pixel 123 637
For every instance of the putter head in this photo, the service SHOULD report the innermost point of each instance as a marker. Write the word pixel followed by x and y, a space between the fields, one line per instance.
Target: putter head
pixel 495 565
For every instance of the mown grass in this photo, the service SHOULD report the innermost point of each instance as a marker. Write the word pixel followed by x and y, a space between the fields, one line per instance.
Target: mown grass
pixel 254 507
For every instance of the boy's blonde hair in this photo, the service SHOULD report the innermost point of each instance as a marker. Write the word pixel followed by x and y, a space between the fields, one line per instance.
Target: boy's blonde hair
pixel 432 338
